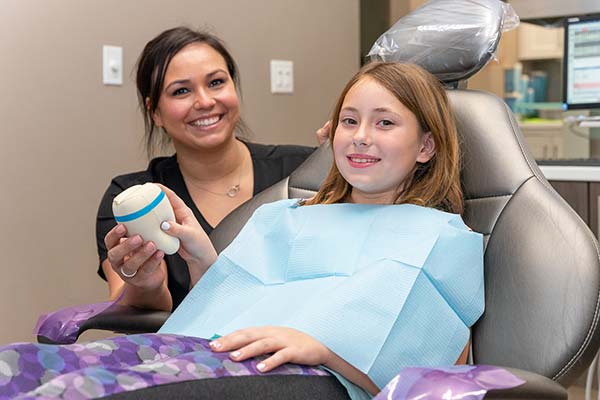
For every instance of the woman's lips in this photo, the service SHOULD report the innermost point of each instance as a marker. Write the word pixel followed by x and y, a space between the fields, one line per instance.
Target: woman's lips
pixel 206 122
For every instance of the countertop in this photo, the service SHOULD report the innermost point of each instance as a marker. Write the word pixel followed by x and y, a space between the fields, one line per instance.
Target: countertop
pixel 581 169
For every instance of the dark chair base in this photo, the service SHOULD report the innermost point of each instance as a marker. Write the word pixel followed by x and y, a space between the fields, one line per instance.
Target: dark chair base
pixel 289 387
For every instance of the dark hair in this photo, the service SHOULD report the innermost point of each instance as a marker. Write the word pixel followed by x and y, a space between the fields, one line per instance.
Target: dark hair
pixel 152 67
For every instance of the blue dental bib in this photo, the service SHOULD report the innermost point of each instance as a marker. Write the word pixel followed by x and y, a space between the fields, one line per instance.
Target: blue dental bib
pixel 383 286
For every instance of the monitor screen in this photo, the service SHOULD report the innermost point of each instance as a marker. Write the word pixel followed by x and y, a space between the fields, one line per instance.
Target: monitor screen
pixel 581 68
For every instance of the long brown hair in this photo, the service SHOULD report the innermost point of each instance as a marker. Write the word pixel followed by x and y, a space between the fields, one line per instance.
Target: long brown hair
pixel 435 183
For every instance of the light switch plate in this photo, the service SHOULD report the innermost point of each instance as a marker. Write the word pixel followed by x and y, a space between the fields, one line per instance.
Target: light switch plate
pixel 112 65
pixel 282 76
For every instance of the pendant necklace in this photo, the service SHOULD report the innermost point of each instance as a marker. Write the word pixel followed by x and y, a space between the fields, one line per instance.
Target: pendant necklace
pixel 233 190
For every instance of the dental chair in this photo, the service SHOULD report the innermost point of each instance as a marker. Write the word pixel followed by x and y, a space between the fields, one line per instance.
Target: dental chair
pixel 542 264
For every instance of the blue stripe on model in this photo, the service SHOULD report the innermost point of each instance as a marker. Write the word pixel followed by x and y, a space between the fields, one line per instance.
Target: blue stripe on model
pixel 143 211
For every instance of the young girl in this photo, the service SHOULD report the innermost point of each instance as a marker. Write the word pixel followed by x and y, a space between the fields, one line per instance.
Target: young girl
pixel 375 272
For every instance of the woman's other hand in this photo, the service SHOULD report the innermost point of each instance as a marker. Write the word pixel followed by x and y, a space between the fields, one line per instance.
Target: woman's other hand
pixel 287 345
pixel 323 133
pixel 195 246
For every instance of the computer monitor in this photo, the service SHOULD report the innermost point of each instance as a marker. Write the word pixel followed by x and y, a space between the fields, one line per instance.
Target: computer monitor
pixel 581 67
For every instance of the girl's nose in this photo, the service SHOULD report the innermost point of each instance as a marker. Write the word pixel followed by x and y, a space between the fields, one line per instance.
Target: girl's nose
pixel 361 136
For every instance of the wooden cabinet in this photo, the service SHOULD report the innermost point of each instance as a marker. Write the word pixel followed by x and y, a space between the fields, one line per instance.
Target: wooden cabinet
pixel 594 207
pixel 538 42
pixel 576 194
pixel 584 198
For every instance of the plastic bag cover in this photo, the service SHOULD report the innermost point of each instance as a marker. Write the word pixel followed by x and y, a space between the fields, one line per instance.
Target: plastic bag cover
pixel 452 39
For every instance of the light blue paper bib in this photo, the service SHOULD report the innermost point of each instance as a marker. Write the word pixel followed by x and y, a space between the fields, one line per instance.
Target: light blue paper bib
pixel 383 286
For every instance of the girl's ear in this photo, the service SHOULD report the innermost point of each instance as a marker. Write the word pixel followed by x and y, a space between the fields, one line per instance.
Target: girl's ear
pixel 155 115
pixel 427 148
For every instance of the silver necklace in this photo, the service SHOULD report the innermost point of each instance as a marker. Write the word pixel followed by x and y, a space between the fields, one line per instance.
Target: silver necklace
pixel 231 192
pixel 233 189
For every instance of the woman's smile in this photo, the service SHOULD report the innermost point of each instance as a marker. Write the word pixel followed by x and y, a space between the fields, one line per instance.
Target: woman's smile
pixel 199 107
pixel 208 122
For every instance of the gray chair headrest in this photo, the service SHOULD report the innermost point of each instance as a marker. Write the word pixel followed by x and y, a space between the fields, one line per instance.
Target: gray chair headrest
pixel 452 39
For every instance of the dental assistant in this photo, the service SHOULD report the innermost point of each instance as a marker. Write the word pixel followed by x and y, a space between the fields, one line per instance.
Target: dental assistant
pixel 188 89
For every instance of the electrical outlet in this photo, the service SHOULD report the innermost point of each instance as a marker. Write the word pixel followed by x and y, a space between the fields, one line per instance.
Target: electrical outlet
pixel 282 76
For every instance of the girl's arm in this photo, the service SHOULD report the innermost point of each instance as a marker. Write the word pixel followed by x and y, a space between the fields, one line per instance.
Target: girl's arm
pixel 354 375
pixel 462 359
pixel 288 345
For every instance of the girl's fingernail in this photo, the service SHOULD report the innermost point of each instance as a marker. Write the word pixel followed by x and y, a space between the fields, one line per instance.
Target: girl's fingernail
pixel 120 229
pixel 235 354
pixel 165 226
pixel 261 366
pixel 215 345
pixel 136 240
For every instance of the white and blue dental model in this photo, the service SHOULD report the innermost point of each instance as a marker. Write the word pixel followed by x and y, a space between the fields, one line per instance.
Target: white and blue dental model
pixel 142 208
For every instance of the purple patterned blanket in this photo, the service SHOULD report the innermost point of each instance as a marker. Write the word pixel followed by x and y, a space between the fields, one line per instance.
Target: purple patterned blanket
pixel 104 367
pixel 110 366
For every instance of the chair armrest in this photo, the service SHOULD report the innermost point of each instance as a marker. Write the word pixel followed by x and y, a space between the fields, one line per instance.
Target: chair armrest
pixel 535 387
pixel 471 381
pixel 121 319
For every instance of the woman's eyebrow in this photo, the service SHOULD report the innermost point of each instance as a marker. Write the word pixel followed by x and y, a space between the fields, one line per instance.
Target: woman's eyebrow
pixel 209 75
pixel 178 82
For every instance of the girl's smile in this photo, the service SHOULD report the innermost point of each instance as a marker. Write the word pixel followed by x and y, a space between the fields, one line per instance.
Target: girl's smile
pixel 361 160
pixel 378 143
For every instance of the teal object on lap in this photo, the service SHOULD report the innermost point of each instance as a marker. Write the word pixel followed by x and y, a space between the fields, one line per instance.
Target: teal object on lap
pixel 383 286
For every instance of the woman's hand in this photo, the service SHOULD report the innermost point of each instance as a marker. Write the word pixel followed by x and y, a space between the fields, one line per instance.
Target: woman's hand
pixel 195 246
pixel 287 344
pixel 323 133
pixel 137 263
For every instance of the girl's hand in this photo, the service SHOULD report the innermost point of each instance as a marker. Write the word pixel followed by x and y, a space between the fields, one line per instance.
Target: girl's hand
pixel 323 133
pixel 196 248
pixel 131 256
pixel 287 344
